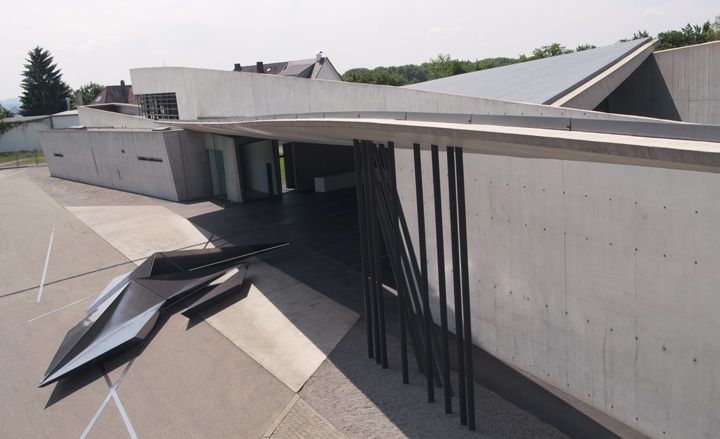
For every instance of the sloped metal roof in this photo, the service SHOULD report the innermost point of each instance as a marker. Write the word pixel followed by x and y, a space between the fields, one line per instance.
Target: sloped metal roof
pixel 540 82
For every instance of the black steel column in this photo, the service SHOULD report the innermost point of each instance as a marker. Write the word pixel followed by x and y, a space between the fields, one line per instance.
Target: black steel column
pixel 378 245
pixel 395 210
pixel 457 293
pixel 445 360
pixel 425 294
pixel 360 194
pixel 467 335
pixel 372 251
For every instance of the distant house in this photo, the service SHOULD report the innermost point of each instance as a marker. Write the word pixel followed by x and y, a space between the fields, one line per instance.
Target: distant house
pixel 319 67
pixel 115 94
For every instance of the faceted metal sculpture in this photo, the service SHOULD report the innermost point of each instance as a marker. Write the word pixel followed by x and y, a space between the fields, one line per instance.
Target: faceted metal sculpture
pixel 125 312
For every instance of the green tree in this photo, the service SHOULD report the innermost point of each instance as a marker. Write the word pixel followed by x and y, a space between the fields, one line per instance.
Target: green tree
pixel 552 49
pixel 89 91
pixel 688 35
pixel 44 91
pixel 444 65
pixel 582 47
pixel 4 112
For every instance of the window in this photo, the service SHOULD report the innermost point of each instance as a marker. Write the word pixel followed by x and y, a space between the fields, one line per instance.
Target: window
pixel 159 106
pixel 57 154
pixel 149 159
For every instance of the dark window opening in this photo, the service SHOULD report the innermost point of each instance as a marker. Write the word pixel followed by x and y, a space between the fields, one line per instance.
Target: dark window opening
pixel 150 159
pixel 159 106
pixel 57 154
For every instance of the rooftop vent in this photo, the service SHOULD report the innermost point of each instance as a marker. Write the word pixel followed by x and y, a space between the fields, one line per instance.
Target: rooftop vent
pixel 260 67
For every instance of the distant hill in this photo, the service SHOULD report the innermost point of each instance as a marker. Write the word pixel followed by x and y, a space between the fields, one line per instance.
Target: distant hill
pixel 12 104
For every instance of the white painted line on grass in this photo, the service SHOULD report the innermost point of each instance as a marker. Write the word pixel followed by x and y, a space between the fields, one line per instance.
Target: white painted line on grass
pixel 110 394
pixel 59 309
pixel 47 260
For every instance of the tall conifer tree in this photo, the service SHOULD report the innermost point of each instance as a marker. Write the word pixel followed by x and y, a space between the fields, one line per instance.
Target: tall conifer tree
pixel 44 91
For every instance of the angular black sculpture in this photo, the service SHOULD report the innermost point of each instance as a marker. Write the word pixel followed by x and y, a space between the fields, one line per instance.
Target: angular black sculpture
pixel 125 312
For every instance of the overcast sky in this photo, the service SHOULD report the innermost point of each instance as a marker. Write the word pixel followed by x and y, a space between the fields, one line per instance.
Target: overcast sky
pixel 98 40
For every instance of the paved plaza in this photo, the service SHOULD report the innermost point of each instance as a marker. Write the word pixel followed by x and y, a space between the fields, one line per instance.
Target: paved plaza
pixel 287 361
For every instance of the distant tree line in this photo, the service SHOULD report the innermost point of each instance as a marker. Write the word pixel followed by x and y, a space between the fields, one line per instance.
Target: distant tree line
pixel 444 65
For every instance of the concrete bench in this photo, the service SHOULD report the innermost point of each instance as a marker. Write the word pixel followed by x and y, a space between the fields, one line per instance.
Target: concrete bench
pixel 334 182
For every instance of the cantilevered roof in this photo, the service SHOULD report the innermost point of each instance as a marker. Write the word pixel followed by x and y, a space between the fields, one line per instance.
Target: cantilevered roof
pixel 638 143
pixel 542 81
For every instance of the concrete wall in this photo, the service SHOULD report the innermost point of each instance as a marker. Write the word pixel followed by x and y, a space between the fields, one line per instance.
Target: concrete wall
pixel 203 93
pixel 190 164
pixel 99 118
pixel 232 172
pixel 253 159
pixel 63 121
pixel 111 158
pixel 599 279
pixel 677 84
pixel 24 137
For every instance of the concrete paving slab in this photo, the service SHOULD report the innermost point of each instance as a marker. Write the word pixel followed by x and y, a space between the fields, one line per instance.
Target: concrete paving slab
pixel 195 383
pixel 187 383
pixel 286 326
pixel 139 231
pixel 28 215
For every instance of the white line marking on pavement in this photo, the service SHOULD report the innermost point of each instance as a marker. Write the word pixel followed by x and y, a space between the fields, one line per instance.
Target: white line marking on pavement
pixel 47 259
pixel 110 394
pixel 59 309
pixel 122 411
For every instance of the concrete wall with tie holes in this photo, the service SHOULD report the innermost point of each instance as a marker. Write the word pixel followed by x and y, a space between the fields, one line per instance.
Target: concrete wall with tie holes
pixel 601 280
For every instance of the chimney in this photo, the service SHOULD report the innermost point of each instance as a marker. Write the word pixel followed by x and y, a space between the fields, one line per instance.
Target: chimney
pixel 124 91
pixel 79 98
pixel 238 68
pixel 319 56
pixel 260 67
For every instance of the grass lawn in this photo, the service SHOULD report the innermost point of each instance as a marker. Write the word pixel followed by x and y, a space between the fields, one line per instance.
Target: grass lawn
pixel 23 157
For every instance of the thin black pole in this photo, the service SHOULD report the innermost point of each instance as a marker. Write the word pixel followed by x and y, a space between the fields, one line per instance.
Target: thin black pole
pixel 423 273
pixel 359 189
pixel 395 207
pixel 445 360
pixel 467 335
pixel 452 195
pixel 372 248
pixel 377 149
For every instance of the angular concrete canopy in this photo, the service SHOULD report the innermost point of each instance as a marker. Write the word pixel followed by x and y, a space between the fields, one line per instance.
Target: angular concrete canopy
pixel 641 143
pixel 546 80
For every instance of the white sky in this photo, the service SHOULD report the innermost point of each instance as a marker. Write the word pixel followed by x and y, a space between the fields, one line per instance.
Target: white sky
pixel 100 40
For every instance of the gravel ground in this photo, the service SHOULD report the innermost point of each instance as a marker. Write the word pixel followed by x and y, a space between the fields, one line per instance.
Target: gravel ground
pixel 362 400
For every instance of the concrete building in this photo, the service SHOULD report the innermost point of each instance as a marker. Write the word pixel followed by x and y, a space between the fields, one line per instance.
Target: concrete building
pixel 23 133
pixel 589 208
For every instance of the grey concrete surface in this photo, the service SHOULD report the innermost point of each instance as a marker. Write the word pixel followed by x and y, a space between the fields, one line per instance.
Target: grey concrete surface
pixel 598 279
pixel 540 81
pixel 167 164
pixel 205 93
pixel 348 391
pixel 363 400
pixel 189 381
pixel 677 84
pixel 498 140
pixel 303 422
pixel 594 91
